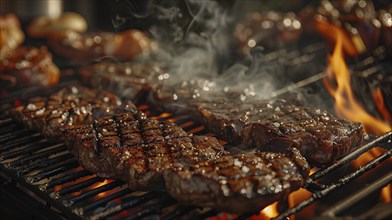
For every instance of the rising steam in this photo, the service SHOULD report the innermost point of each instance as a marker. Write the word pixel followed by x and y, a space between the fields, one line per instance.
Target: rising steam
pixel 196 43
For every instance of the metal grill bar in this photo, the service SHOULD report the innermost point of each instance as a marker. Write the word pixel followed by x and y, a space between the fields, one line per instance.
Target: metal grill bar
pixel 18 143
pixel 65 179
pixel 8 128
pixel 101 202
pixel 5 121
pixel 44 154
pixel 93 192
pixel 342 205
pixel 379 212
pixel 41 164
pixel 126 205
pixel 52 171
pixel 151 209
pixel 76 187
pixel 33 145
pixel 300 84
pixel 18 134
pixel 332 187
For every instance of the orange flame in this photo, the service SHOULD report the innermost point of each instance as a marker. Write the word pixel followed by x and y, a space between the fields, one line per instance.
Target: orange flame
pixel 328 30
pixel 378 98
pixel 337 83
pixel 345 103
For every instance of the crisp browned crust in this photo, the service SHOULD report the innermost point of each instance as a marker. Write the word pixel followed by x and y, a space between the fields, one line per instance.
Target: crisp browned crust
pixel 277 125
pixel 137 149
pixel 71 105
pixel 240 183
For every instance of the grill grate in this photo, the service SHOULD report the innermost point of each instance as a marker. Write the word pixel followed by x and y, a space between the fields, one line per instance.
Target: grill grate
pixel 51 170
pixel 52 175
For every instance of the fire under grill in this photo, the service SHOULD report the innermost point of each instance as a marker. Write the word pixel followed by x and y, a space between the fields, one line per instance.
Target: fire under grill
pixel 48 175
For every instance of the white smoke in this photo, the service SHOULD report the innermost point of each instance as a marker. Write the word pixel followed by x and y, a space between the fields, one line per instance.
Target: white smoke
pixel 198 47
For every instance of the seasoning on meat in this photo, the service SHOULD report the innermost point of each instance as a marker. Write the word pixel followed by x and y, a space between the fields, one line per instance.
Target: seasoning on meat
pixel 136 149
pixel 320 137
pixel 238 184
pixel 277 124
pixel 71 105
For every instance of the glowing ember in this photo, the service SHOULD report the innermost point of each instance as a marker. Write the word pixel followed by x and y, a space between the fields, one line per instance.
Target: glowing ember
pixel 142 107
pixel 99 185
pixel 161 116
pixel 386 193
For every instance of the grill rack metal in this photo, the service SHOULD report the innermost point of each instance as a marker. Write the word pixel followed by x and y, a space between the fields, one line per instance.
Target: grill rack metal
pixel 52 175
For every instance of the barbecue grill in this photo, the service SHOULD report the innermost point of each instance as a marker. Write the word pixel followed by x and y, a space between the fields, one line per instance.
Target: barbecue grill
pixel 46 181
pixel 46 176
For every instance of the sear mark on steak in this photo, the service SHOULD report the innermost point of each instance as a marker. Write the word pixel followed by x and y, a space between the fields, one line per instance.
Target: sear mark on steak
pixel 70 105
pixel 240 183
pixel 136 149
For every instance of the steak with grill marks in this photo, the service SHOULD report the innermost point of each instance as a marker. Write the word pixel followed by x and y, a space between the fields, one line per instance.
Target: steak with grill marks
pixel 240 183
pixel 130 80
pixel 136 149
pixel 265 124
pixel 276 125
pixel 71 105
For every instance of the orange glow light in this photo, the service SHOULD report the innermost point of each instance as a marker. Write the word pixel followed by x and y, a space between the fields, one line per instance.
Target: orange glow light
pixel 270 211
pixel 345 103
pixel 386 193
pixel 337 82
pixel 378 98
pixel 102 194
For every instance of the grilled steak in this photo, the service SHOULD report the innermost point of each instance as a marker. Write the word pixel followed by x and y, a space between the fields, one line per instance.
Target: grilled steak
pixel 240 183
pixel 137 149
pixel 129 80
pixel 71 105
pixel 28 66
pixel 277 125
pixel 265 124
